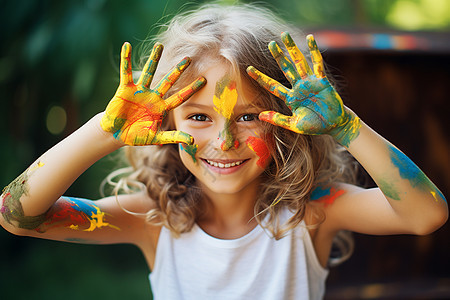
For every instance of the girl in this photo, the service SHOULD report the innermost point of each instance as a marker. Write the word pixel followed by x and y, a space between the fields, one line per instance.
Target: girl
pixel 253 187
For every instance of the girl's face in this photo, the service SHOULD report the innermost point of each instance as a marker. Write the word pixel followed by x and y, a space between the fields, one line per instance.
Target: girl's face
pixel 229 151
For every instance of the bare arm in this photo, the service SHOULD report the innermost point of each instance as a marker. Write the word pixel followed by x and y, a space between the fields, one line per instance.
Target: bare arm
pixel 406 201
pixel 33 204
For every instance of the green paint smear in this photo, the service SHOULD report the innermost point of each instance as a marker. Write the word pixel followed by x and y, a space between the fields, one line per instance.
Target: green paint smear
pixel 388 190
pixel 12 209
pixel 190 149
pixel 221 85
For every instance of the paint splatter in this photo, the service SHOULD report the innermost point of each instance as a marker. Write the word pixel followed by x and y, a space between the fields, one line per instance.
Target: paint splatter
pixel 12 209
pixel 411 172
pixel 190 149
pixel 76 214
pixel 327 195
pixel 261 149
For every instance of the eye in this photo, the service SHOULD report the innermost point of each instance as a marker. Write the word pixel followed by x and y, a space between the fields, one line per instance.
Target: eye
pixel 248 117
pixel 199 118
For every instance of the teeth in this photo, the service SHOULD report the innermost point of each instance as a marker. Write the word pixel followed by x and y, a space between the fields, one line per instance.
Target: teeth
pixel 222 166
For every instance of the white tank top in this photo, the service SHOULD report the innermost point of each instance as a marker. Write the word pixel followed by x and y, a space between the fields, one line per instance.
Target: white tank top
pixel 255 266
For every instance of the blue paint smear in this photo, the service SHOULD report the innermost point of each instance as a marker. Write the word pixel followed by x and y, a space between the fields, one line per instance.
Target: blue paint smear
pixel 410 171
pixel 138 92
pixel 83 206
pixel 319 192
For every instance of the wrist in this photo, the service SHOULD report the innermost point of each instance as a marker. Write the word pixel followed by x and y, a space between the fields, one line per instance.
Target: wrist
pixel 345 133
pixel 106 136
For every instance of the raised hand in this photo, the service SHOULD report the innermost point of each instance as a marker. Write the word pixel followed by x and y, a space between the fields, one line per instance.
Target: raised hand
pixel 316 106
pixel 135 113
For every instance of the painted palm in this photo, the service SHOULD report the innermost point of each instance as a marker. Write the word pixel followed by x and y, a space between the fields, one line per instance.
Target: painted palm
pixel 316 106
pixel 135 113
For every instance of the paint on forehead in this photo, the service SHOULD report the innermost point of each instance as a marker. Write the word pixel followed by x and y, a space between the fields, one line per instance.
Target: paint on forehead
pixel 411 172
pixel 261 149
pixel 190 149
pixel 225 96
pixel 326 195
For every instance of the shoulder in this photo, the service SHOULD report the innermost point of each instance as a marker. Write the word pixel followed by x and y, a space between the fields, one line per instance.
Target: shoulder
pixel 330 203
pixel 326 195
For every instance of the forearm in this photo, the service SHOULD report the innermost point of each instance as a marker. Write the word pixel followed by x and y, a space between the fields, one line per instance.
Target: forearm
pixel 51 175
pixel 407 189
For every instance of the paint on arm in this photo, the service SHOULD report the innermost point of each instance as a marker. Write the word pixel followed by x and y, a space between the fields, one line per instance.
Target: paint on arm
pixel 67 212
pixel 11 207
pixel 326 195
pixel 76 214
pixel 410 171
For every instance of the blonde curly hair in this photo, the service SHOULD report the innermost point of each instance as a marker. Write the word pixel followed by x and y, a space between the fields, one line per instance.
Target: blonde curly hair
pixel 237 35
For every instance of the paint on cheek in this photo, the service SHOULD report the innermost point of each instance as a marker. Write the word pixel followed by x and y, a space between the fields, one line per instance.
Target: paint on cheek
pixel 225 96
pixel 76 214
pixel 190 149
pixel 327 195
pixel 409 171
pixel 258 146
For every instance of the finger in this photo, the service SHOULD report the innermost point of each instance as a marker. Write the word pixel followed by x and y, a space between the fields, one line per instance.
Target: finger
pixel 276 119
pixel 166 83
pixel 126 76
pixel 271 85
pixel 285 64
pixel 296 55
pixel 175 100
pixel 172 137
pixel 150 67
pixel 316 57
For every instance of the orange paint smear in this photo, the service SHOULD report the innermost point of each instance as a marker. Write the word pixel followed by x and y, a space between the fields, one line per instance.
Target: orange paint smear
pixel 331 197
pixel 260 148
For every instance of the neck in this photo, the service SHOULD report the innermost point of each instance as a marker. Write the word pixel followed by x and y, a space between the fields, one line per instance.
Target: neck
pixel 229 216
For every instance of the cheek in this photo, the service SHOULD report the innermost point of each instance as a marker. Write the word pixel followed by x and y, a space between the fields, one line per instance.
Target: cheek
pixel 261 149
pixel 190 150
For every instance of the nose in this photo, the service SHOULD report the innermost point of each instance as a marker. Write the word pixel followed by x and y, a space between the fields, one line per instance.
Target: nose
pixel 227 138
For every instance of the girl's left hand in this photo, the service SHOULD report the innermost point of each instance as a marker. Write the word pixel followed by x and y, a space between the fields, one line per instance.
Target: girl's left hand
pixel 316 106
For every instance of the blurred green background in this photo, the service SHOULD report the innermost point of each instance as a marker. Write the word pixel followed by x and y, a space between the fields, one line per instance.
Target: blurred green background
pixel 59 66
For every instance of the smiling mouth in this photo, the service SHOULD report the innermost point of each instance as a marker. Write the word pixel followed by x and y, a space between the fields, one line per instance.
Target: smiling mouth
pixel 224 165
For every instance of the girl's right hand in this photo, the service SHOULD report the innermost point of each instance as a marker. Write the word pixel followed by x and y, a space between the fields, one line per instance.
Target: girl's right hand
pixel 135 113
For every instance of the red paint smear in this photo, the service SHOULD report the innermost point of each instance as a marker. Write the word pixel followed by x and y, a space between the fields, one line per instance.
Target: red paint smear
pixel 260 148
pixel 63 214
pixel 329 199
pixel 224 148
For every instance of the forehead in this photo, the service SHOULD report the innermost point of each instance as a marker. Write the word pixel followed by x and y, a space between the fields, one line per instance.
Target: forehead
pixel 220 79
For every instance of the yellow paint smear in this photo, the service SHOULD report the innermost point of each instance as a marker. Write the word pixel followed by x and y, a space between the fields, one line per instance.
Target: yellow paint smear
pixel 37 166
pixel 225 97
